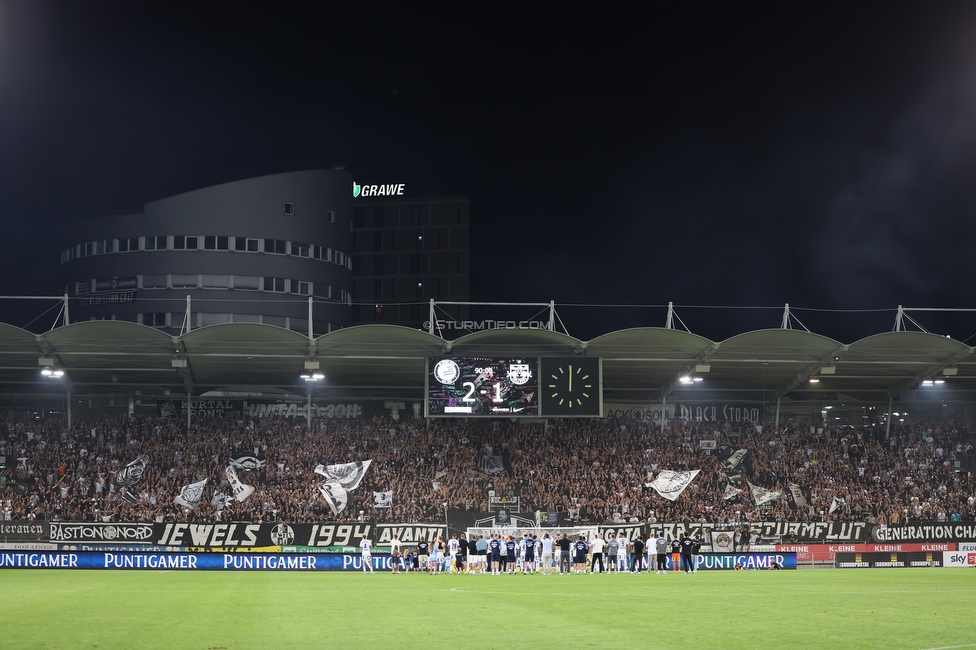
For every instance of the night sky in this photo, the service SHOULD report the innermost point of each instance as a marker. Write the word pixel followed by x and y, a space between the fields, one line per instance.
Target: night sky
pixel 729 155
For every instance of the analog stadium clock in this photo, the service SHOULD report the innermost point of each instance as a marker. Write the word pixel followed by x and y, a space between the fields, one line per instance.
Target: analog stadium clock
pixel 571 386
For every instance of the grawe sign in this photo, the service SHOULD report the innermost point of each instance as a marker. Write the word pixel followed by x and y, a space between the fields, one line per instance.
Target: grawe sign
pixel 391 189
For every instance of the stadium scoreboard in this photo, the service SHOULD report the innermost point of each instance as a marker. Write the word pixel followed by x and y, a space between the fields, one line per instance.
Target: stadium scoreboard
pixel 514 387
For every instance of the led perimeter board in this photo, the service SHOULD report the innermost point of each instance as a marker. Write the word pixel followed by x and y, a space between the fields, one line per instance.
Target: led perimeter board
pixel 514 387
pixel 482 386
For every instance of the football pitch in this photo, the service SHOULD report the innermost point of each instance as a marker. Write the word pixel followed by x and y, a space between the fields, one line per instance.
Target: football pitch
pixel 890 608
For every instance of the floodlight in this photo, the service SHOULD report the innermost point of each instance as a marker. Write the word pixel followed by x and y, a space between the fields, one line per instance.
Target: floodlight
pixel 814 380
pixel 927 382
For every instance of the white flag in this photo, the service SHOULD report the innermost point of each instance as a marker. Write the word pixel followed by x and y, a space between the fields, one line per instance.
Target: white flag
pixel 383 499
pixel 730 492
pixel 240 490
pixel 335 495
pixel 762 495
pixel 670 484
pixel 348 475
pixel 834 504
pixel 189 496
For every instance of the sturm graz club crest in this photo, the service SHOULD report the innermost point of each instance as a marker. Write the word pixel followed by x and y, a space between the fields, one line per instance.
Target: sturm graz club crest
pixel 282 535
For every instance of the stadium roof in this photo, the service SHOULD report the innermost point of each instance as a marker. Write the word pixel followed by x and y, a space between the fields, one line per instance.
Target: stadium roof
pixel 388 362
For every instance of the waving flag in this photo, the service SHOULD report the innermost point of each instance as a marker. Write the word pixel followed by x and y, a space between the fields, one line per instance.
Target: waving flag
pixel 129 476
pixel 347 475
pixel 335 495
pixel 383 499
pixel 190 495
pixel 247 462
pixel 730 492
pixel 132 473
pixel 762 495
pixel 670 484
pixel 240 490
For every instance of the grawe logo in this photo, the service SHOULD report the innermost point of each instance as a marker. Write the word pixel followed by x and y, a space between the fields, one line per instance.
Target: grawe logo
pixel 393 189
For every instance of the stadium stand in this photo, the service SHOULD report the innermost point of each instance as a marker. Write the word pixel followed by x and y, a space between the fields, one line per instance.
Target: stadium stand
pixel 587 470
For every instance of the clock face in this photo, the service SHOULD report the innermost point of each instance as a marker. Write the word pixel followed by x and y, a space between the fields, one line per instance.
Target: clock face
pixel 570 386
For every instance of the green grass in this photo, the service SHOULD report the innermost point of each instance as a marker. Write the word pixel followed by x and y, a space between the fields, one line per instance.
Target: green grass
pixel 883 608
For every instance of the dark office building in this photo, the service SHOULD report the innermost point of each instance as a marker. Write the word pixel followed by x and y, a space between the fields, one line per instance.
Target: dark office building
pixel 405 252
pixel 251 251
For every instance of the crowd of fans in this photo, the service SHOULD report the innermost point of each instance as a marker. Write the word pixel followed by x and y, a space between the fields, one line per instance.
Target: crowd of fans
pixel 587 470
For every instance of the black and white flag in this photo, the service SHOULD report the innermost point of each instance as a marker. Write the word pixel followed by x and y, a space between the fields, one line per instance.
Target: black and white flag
pixel 763 496
pixel 834 504
pixel 723 541
pixel 240 490
pixel 796 497
pixel 383 499
pixel 491 464
pixel 132 473
pixel 347 475
pixel 670 484
pixel 221 500
pixel 247 462
pixel 731 461
pixel 730 492
pixel 189 496
pixel 335 495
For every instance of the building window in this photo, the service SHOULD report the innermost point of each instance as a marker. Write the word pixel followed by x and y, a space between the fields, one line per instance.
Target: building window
pixel 155 243
pixel 210 243
pixel 89 247
pixel 157 319
pixel 274 284
pixel 331 216
pixel 127 244
pixel 299 249
pixel 247 282
pixel 214 281
pixel 289 209
pixel 154 281
pixel 185 280
pixel 191 243
pixel 179 242
pixel 300 287
pixel 223 243
pixel 277 246
pixel 245 244
pixel 340 258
